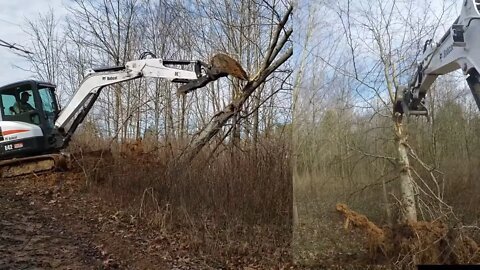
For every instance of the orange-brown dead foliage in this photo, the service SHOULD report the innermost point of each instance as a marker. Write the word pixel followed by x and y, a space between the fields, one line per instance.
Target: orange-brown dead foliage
pixel 423 242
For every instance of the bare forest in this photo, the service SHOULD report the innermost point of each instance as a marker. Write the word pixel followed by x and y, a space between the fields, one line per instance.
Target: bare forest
pixel 208 171
pixel 301 162
pixel 355 159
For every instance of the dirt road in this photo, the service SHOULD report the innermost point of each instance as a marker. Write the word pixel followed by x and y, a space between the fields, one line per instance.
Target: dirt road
pixel 30 237
pixel 50 223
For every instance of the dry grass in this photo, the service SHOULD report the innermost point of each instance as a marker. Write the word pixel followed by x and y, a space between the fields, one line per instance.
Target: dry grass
pixel 321 238
pixel 407 245
pixel 234 208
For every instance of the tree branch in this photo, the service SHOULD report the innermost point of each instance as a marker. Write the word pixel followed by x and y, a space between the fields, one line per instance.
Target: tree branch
pixel 219 120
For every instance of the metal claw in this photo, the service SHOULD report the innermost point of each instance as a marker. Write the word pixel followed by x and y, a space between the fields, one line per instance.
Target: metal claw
pixel 221 65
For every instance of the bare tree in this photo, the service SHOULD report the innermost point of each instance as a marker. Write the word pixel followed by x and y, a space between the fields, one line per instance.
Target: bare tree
pixel 47 44
pixel 271 62
pixel 107 27
pixel 345 104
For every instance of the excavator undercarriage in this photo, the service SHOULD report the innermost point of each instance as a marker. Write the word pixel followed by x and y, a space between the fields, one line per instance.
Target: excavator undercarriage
pixel 34 165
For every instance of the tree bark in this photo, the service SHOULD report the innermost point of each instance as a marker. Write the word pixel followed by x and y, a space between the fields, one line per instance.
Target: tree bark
pixel 407 187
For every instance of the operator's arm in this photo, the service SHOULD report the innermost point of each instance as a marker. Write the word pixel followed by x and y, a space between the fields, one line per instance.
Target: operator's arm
pixel 21 107
pixel 29 107
pixel 16 108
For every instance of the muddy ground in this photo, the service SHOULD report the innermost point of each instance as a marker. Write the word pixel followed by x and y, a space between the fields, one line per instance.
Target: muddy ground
pixel 51 222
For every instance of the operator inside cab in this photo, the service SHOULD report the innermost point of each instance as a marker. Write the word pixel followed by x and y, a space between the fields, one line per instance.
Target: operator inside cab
pixel 22 105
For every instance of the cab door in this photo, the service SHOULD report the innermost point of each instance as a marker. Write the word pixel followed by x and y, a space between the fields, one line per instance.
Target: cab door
pixel 48 105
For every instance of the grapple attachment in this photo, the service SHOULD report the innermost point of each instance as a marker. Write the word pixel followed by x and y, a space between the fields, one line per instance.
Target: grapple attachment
pixel 221 65
pixel 226 65
pixel 407 103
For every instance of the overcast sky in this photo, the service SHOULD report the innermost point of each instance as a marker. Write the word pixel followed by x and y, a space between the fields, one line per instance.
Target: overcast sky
pixel 13 14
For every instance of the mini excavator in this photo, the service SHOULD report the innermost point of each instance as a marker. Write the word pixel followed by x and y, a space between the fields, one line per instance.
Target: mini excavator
pixel 34 131
pixel 459 48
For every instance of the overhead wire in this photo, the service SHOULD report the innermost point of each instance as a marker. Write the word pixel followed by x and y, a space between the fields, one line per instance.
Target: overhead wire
pixel 13 46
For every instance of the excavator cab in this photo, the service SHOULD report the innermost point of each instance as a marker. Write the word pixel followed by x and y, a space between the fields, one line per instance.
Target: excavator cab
pixel 30 102
pixel 33 131
pixel 28 113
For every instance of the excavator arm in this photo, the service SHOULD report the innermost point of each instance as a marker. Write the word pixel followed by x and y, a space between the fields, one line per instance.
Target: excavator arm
pixel 37 151
pixel 84 98
pixel 459 48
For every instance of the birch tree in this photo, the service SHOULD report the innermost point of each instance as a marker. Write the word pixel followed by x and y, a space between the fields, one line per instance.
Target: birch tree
pixel 385 40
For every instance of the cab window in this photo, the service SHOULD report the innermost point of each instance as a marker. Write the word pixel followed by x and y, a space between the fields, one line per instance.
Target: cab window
pixel 8 101
pixel 18 104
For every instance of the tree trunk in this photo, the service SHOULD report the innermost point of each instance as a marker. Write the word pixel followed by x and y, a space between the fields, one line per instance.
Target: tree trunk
pixel 256 117
pixel 407 188
pixel 236 131
pixel 182 130
pixel 157 108
pixel 138 90
pixel 388 211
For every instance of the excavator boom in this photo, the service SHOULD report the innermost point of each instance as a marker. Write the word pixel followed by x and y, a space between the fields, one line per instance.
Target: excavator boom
pixel 34 131
pixel 459 48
